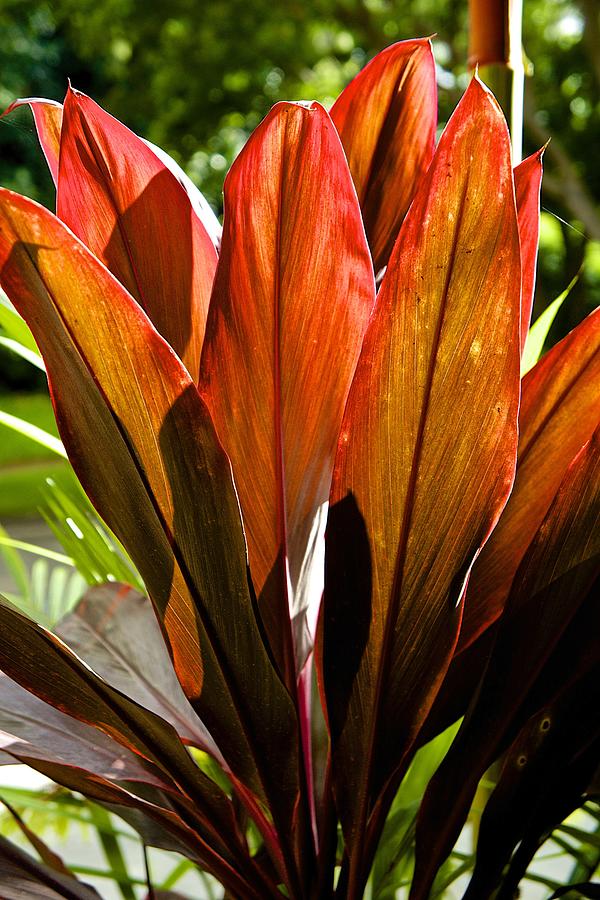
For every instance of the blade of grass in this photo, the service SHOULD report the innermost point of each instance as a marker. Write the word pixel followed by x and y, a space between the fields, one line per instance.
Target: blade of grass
pixel 38 551
pixel 575 852
pixel 14 326
pixel 15 566
pixel 24 352
pixel 101 873
pixel 536 337
pixel 27 429
pixel 455 874
pixel 44 852
pixel 176 874
pixel 585 837
pixel 64 806
pixel 112 851
pixel 97 553
pixel 583 871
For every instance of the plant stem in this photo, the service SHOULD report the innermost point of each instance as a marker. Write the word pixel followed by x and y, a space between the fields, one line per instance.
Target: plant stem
pixel 495 46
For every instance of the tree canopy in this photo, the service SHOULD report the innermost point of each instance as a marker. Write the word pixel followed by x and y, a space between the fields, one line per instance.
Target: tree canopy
pixel 196 78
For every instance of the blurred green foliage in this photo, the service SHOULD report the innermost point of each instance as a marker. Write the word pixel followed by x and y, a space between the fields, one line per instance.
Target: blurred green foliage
pixel 196 77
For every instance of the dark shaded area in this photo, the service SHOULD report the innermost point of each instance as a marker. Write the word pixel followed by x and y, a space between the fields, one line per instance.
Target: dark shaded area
pixel 458 688
pixel 272 607
pixel 347 605
pixel 552 760
pixel 16 374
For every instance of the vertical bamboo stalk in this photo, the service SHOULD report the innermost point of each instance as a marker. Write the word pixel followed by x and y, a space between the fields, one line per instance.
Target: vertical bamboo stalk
pixel 495 46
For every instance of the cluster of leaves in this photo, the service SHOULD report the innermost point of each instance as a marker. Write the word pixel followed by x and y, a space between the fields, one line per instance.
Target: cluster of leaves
pixel 136 62
pixel 311 436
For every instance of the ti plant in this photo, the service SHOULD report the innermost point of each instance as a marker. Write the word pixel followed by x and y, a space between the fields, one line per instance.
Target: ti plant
pixel 355 523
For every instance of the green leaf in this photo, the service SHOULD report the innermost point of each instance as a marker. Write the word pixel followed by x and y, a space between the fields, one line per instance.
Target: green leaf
pixel 95 551
pixel 112 852
pixel 536 337
pixel 24 352
pixel 7 541
pixel 15 326
pixel 33 433
pixel 15 565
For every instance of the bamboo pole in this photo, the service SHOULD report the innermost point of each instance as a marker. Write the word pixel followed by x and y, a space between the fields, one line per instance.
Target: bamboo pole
pixel 495 47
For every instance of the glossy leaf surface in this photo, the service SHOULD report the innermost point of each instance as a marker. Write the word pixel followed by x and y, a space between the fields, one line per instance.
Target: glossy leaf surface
pixel 386 119
pixel 559 413
pixel 48 122
pixel 33 729
pixel 114 630
pixel 426 455
pixel 74 689
pixel 131 211
pixel 292 296
pixel 143 445
pixel 553 579
pixel 528 182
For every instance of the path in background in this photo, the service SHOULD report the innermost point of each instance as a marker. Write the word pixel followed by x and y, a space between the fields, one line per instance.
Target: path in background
pixel 31 531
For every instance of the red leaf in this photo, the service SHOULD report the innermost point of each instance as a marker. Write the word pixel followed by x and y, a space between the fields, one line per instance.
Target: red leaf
pixel 42 664
pixel 559 413
pixel 528 182
pixel 48 122
pixel 144 447
pixel 33 729
pixel 199 202
pixel 48 116
pixel 386 118
pixel 551 583
pixel 426 456
pixel 130 210
pixel 292 296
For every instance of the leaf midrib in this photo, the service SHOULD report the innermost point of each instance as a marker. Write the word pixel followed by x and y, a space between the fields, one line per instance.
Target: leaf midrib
pixel 401 552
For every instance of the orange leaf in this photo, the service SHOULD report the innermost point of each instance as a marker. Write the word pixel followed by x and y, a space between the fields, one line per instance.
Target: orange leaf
pixel 292 296
pixel 131 211
pixel 48 122
pixel 426 457
pixel 553 580
pixel 144 447
pixel 559 412
pixel 386 118
pixel 528 182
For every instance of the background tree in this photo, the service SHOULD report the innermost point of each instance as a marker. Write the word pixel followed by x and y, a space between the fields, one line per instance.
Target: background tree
pixel 198 77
